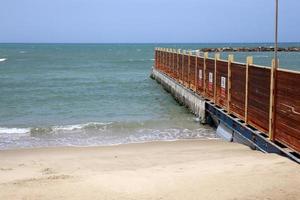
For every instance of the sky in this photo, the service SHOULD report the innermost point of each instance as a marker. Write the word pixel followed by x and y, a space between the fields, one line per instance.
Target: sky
pixel 147 21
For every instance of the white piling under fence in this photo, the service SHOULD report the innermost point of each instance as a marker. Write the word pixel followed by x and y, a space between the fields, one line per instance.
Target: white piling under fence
pixel 183 95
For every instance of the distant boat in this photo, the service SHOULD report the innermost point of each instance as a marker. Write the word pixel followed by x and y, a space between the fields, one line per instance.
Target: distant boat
pixel 2 59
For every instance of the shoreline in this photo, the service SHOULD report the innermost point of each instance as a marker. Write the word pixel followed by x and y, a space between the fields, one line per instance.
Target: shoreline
pixel 183 169
pixel 108 145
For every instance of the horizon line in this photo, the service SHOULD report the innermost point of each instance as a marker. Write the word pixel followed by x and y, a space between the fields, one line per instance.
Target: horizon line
pixel 268 42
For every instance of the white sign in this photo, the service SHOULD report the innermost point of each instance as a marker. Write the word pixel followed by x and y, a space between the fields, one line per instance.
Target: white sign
pixel 200 73
pixel 210 77
pixel 223 82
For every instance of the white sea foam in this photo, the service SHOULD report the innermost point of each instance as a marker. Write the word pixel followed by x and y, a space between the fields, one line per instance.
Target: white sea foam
pixel 140 60
pixel 3 59
pixel 14 130
pixel 79 126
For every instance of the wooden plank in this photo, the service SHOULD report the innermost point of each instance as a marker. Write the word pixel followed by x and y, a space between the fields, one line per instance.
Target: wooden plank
pixel 209 78
pixel 272 100
pixel 200 75
pixel 192 77
pixel 185 68
pixel 287 112
pixel 204 73
pixel 221 82
pixel 217 57
pixel 238 90
pixel 259 97
pixel 249 62
pixel 230 60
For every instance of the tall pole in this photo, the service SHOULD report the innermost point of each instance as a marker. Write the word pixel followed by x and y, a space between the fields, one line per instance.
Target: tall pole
pixel 273 84
pixel 276 35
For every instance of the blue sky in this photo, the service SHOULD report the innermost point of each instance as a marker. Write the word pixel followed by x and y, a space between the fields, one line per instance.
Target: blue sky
pixel 138 21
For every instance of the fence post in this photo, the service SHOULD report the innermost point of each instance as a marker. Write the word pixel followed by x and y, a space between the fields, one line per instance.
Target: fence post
pixel 162 59
pixel 178 54
pixel 230 60
pixel 196 70
pixel 204 72
pixel 172 62
pixel 167 60
pixel 272 110
pixel 249 62
pixel 189 69
pixel 182 73
pixel 217 57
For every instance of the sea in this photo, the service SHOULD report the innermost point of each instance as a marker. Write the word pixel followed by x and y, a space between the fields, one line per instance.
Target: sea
pixel 97 95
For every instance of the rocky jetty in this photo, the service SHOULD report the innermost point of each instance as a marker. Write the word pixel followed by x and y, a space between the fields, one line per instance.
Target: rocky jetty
pixel 250 49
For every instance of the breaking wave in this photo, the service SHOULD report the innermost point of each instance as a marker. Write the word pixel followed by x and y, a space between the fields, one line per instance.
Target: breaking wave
pixel 99 134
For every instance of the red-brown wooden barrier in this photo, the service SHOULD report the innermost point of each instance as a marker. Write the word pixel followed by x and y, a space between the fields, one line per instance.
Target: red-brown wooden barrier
pixel 180 68
pixel 222 83
pixel 241 89
pixel 185 69
pixel 259 97
pixel 200 75
pixel 192 74
pixel 287 117
pixel 176 66
pixel 210 79
pixel 238 90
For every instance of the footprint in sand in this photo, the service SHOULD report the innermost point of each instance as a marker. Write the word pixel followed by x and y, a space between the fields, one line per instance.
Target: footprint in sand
pixel 6 169
pixel 48 171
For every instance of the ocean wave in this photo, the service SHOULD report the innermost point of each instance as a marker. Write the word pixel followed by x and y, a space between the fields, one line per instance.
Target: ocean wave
pixel 140 60
pixel 14 130
pixel 53 129
pixel 101 134
pixel 3 59
pixel 97 126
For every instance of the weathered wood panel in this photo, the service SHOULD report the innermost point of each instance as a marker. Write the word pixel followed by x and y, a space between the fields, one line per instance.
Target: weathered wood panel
pixel 163 61
pixel 192 74
pixel 259 97
pixel 200 75
pixel 168 63
pixel 209 78
pixel 172 64
pixel 222 83
pixel 175 65
pixel 238 88
pixel 287 115
pixel 180 68
pixel 158 59
pixel 185 69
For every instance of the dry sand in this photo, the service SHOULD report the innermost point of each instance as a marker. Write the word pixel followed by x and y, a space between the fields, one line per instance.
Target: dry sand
pixel 159 170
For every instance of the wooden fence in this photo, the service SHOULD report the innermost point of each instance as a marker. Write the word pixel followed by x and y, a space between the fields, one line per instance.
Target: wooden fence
pixel 244 90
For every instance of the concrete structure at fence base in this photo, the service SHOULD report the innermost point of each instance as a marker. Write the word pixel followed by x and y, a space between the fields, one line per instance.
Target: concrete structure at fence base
pixel 184 96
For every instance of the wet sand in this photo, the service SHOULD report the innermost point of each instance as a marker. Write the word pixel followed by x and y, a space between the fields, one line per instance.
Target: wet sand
pixel 194 169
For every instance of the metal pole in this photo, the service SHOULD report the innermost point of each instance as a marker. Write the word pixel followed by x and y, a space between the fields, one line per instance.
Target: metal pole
pixel 272 109
pixel 276 35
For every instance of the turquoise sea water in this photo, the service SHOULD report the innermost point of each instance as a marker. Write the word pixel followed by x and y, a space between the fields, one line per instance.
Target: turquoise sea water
pixel 94 94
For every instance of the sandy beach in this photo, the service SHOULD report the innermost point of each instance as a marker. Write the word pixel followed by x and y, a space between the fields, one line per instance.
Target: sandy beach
pixel 198 169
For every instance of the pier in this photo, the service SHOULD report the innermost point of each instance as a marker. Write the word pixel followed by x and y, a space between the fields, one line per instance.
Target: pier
pixel 254 104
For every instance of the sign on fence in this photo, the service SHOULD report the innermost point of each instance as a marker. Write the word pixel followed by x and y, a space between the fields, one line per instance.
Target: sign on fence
pixel 200 77
pixel 223 87
pixel 210 81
